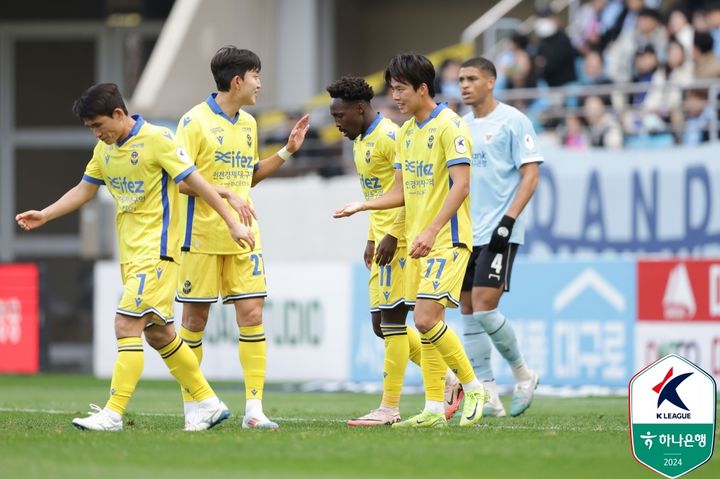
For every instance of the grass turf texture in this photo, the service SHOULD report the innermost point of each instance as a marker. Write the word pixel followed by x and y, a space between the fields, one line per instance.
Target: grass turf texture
pixel 556 438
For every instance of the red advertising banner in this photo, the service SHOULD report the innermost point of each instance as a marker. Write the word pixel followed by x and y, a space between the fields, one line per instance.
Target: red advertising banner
pixel 679 290
pixel 19 321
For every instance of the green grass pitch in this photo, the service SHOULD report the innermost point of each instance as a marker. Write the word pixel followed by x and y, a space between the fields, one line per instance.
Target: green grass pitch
pixel 557 438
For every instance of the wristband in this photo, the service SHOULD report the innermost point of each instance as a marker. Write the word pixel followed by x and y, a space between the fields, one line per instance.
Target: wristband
pixel 284 153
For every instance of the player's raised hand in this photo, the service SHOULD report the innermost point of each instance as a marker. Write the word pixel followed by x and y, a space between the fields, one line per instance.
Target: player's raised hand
pixel 242 235
pixel 297 134
pixel 423 244
pixel 386 250
pixel 244 210
pixel 349 209
pixel 29 220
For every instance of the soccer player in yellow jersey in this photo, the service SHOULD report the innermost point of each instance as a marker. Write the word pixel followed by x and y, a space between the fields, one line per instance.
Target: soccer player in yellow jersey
pixel 141 165
pixel 222 139
pixel 432 181
pixel 373 139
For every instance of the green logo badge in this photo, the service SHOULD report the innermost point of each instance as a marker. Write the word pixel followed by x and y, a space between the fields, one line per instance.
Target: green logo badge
pixel 672 406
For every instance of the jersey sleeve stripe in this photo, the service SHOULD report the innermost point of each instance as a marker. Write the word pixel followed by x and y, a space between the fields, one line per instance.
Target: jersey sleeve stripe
pixel 189 223
pixel 92 180
pixel 454 234
pixel 165 215
pixel 458 161
pixel 532 159
pixel 185 174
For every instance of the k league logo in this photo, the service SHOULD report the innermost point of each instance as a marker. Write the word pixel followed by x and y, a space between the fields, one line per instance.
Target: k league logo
pixel 672 408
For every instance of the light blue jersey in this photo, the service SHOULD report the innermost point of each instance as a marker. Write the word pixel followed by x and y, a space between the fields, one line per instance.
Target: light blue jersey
pixel 502 142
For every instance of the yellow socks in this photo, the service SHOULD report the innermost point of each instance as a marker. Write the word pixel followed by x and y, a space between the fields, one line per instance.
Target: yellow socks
pixel 253 353
pixel 450 348
pixel 184 367
pixel 397 351
pixel 414 343
pixel 126 374
pixel 433 371
pixel 194 341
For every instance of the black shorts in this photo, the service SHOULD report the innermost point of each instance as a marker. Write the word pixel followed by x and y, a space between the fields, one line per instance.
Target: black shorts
pixel 488 269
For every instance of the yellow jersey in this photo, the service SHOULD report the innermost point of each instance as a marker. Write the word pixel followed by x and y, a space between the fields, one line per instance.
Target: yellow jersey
pixel 374 153
pixel 225 152
pixel 425 152
pixel 139 171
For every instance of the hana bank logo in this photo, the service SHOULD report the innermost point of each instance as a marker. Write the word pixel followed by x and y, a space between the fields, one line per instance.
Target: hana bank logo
pixel 679 299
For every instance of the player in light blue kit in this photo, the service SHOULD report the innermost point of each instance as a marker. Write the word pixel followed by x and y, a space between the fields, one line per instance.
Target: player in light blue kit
pixel 505 171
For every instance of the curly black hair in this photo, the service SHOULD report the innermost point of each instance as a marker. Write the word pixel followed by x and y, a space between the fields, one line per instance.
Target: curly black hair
pixel 351 89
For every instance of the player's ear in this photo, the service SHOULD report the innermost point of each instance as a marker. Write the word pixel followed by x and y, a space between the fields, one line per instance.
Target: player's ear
pixel 118 114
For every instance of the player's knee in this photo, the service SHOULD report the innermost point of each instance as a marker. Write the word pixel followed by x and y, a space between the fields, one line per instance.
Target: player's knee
pixel 194 320
pixel 159 336
pixel 423 323
pixel 250 316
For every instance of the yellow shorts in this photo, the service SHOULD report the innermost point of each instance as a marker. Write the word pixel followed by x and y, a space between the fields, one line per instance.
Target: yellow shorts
pixel 438 276
pixel 148 287
pixel 387 283
pixel 233 276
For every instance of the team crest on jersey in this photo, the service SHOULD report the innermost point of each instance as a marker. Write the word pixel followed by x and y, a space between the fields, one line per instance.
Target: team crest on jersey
pixel 249 140
pixel 367 156
pixel 187 287
pixel 218 132
pixel 529 142
pixel 187 120
pixel 431 140
pixel 391 135
pixel 488 138
pixel 134 158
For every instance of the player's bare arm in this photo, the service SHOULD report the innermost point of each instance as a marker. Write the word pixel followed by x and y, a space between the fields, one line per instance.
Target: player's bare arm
pixel 424 242
pixel 296 138
pixel 391 199
pixel 239 232
pixel 529 177
pixel 242 207
pixel 69 202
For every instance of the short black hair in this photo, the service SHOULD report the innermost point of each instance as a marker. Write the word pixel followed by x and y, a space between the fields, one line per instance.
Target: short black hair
pixel 229 62
pixel 704 42
pixel 651 13
pixel 99 100
pixel 413 69
pixel 482 64
pixel 350 88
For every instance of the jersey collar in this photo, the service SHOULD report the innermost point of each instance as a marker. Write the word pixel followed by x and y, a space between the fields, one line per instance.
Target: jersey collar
pixel 373 125
pixel 218 111
pixel 139 122
pixel 436 111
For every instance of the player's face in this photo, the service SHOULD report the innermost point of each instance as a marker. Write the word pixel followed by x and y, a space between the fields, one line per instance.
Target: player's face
pixel 407 99
pixel 476 86
pixel 108 129
pixel 348 117
pixel 249 86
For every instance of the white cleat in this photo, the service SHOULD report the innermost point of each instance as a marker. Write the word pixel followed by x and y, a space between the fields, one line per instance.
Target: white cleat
pixel 453 395
pixel 206 418
pixel 523 394
pixel 99 420
pixel 259 422
pixel 494 407
pixel 376 417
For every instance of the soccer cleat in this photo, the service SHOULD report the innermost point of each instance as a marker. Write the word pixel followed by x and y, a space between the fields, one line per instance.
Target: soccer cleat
pixel 523 394
pixel 473 407
pixel 494 407
pixel 206 417
pixel 259 423
pixel 99 420
pixel 424 419
pixel 453 395
pixel 376 417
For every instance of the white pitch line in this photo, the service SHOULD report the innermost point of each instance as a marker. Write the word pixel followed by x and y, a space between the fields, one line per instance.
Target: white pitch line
pixel 488 426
